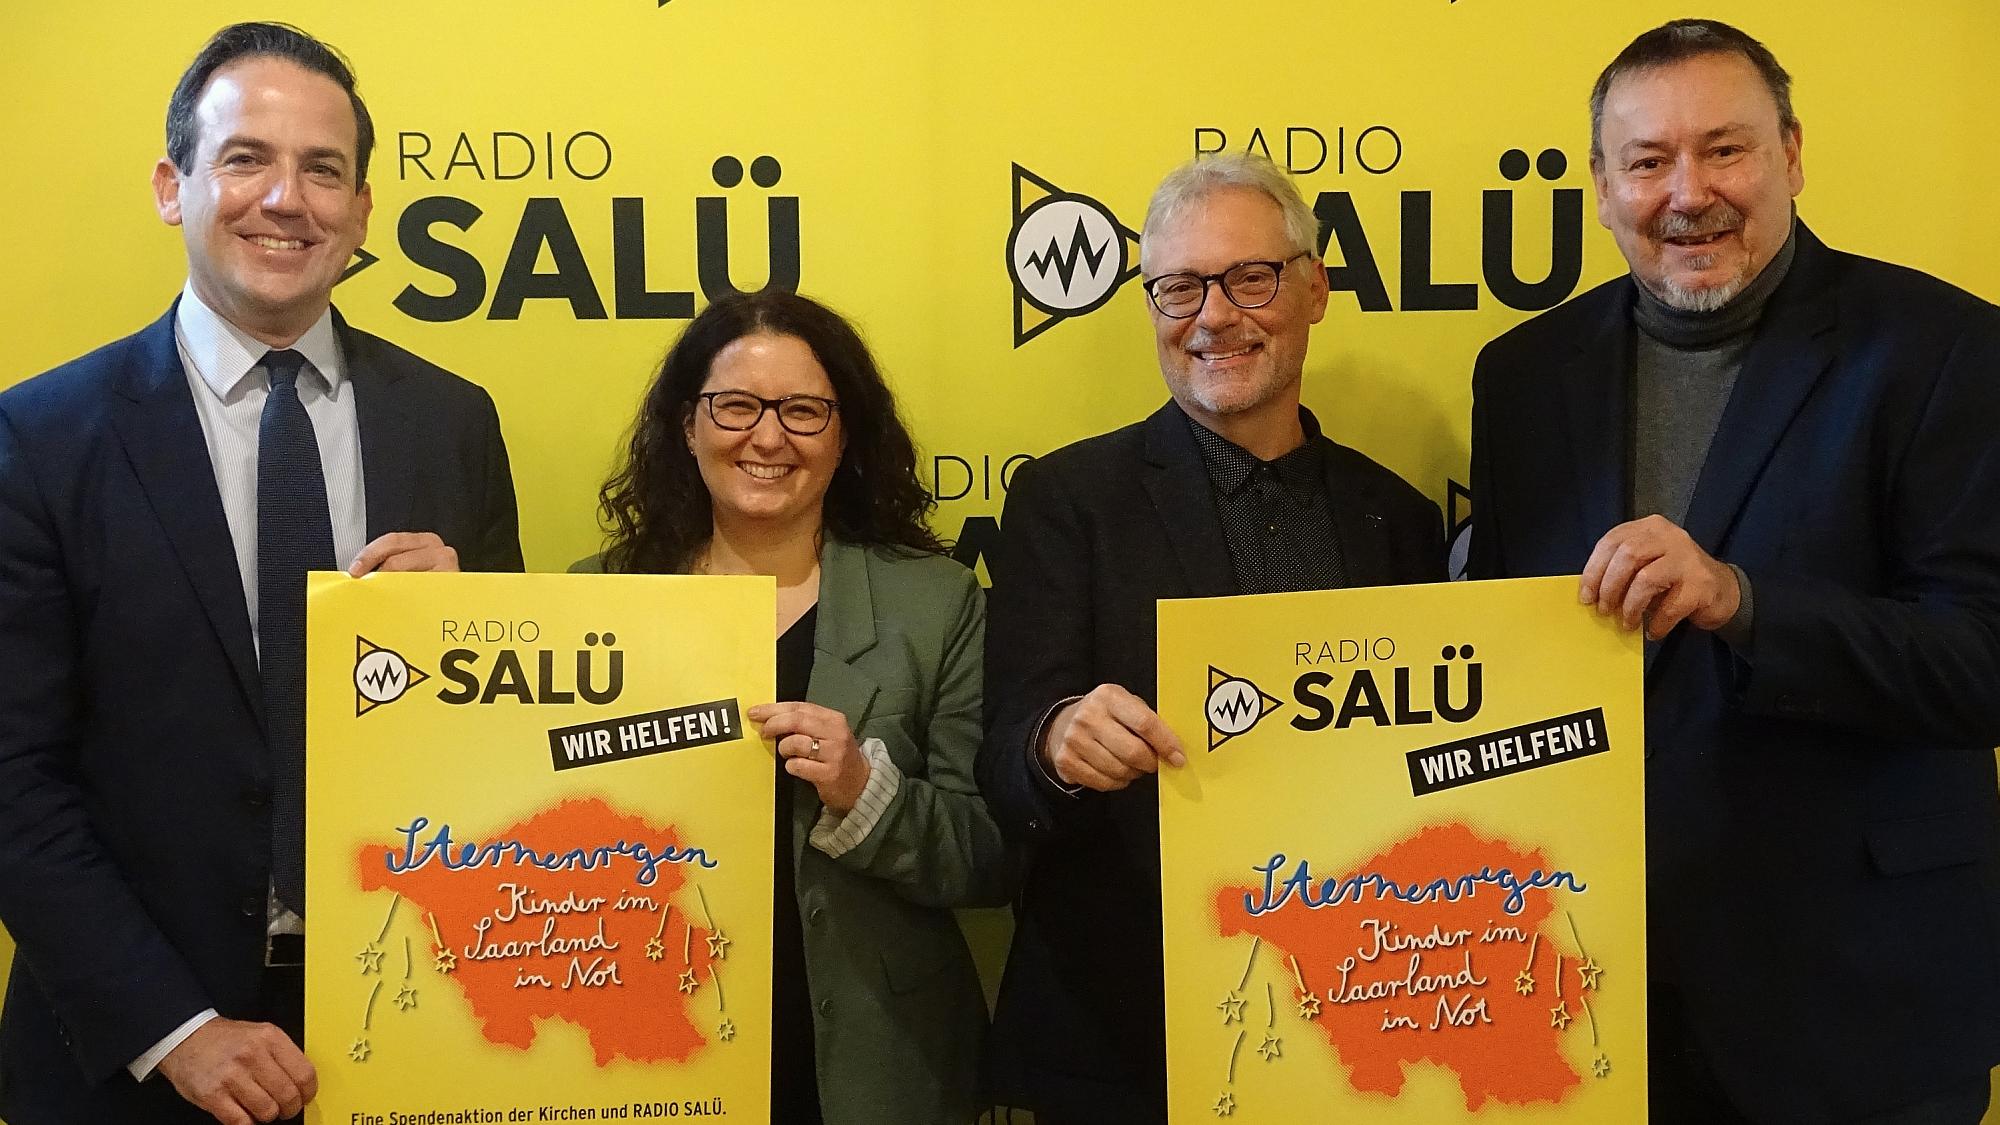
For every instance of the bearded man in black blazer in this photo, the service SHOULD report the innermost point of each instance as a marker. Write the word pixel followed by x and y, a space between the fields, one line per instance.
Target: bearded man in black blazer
pixel 1780 460
pixel 160 502
pixel 1229 488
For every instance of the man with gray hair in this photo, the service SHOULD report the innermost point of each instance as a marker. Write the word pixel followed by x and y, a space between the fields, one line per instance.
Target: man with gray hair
pixel 1752 411
pixel 1229 488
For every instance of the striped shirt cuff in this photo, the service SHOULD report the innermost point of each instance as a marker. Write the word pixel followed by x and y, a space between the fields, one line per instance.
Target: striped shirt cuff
pixel 142 1067
pixel 837 834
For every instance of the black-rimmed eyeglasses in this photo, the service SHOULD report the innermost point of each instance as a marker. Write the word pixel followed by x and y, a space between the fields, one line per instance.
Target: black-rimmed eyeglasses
pixel 1248 285
pixel 804 415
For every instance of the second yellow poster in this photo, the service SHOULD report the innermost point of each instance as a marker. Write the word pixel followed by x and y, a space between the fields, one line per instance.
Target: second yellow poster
pixel 1403 871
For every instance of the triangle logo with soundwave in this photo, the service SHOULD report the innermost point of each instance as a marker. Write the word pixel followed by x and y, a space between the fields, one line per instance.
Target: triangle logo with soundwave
pixel 381 675
pixel 1234 706
pixel 1066 254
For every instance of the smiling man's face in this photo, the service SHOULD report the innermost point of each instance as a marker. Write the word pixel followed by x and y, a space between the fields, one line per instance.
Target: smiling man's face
pixel 270 208
pixel 1696 177
pixel 1227 361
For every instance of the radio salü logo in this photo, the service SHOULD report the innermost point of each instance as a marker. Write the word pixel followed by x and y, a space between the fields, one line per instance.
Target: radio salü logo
pixel 1234 706
pixel 1066 254
pixel 381 675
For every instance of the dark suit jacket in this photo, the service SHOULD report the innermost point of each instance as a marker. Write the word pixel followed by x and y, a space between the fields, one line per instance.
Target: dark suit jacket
pixel 1092 536
pixel 1823 829
pixel 134 783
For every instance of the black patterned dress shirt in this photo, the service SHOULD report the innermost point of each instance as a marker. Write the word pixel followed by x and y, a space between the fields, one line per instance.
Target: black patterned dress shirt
pixel 1277 518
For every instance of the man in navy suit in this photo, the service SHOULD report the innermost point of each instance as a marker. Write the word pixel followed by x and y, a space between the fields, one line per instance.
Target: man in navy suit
pixel 1780 461
pixel 1228 488
pixel 160 502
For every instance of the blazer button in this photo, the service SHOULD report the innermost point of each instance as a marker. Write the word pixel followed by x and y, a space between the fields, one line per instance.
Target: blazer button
pixel 816 915
pixel 252 906
pixel 826 1008
pixel 256 798
pixel 1034 824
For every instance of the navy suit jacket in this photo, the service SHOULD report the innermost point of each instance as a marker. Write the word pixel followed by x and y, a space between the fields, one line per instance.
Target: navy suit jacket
pixel 134 781
pixel 1823 827
pixel 1092 536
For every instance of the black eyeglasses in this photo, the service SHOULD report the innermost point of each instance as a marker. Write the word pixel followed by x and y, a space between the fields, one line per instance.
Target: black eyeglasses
pixel 804 415
pixel 1248 285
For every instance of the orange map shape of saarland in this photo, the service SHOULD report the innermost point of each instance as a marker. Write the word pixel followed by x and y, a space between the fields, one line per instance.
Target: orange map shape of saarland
pixel 644 1016
pixel 1508 1051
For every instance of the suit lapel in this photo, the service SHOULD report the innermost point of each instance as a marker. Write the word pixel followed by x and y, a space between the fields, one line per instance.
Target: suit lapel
pixel 1785 361
pixel 387 435
pixel 1358 527
pixel 161 434
pixel 845 630
pixel 1177 483
pixel 1596 398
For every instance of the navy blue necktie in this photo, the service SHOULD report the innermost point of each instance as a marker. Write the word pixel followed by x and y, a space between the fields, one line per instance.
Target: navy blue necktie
pixel 294 535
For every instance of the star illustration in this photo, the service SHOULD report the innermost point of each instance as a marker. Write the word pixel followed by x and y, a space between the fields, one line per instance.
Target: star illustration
pixel 406 999
pixel 1525 983
pixel 1225 1105
pixel 358 1050
pixel 1588 972
pixel 655 949
pixel 1231 1009
pixel 370 958
pixel 1271 1047
pixel 1559 1016
pixel 1601 1066
pixel 688 983
pixel 446 961
pixel 1309 1006
pixel 726 1029
pixel 718 946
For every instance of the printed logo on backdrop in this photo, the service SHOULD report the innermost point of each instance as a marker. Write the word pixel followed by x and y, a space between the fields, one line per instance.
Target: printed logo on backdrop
pixel 1510 235
pixel 1064 261
pixel 546 263
pixel 1067 254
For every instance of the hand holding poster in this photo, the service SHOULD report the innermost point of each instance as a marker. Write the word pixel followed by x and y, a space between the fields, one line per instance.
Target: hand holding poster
pixel 1402 875
pixel 539 848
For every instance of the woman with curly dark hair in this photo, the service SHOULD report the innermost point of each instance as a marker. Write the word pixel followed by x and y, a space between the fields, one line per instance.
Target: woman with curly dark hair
pixel 769 444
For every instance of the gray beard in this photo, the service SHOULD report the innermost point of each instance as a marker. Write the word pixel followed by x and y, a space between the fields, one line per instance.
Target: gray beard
pixel 1704 300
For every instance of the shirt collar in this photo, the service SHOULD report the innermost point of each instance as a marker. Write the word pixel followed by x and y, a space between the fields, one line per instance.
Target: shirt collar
pixel 1230 466
pixel 225 355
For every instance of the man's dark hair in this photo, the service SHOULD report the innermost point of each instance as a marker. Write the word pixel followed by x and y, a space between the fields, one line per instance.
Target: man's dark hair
pixel 241 41
pixel 1678 41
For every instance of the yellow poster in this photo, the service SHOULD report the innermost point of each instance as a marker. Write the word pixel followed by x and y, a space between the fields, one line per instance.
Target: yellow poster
pixel 1403 870
pixel 539 848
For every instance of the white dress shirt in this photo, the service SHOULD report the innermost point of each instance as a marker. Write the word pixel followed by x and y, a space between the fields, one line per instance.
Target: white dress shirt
pixel 226 376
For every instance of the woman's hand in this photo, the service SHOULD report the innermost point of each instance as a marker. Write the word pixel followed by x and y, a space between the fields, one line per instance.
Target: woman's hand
pixel 817 746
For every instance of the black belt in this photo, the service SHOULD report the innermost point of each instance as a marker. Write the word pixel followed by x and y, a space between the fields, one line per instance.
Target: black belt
pixel 283 951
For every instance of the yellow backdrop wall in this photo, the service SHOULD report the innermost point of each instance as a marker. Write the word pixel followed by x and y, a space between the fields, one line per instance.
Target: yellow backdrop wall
pixel 557 187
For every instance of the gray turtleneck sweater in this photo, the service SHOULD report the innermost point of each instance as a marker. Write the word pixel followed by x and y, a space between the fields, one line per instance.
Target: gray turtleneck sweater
pixel 1687 364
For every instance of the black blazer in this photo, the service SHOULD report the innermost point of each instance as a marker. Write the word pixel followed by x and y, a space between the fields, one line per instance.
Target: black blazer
pixel 1823 827
pixel 1092 536
pixel 134 781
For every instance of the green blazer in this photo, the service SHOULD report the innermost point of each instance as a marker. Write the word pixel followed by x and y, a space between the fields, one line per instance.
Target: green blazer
pixel 898 1015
